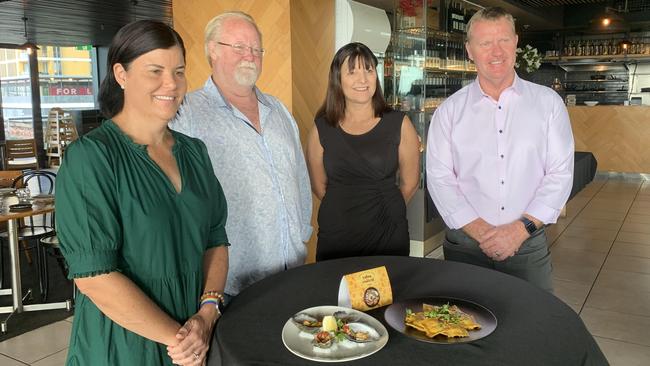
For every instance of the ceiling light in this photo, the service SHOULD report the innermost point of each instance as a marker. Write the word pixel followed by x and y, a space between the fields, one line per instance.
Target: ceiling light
pixel 28 46
pixel 608 21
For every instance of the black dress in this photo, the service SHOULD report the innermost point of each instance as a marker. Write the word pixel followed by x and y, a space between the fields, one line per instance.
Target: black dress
pixel 363 211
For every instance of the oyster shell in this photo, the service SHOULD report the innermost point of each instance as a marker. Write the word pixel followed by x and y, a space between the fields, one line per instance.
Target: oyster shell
pixel 307 323
pixel 346 317
pixel 360 333
pixel 323 340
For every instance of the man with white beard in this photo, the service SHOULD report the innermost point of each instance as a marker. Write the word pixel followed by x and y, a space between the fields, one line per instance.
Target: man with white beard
pixel 254 145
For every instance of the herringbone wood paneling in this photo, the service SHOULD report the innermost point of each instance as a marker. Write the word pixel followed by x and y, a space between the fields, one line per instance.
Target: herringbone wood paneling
pixel 619 137
pixel 273 19
pixel 312 49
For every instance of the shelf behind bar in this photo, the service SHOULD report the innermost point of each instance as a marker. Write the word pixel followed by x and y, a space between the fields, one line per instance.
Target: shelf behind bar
pixel 597 81
pixel 598 58
pixel 595 91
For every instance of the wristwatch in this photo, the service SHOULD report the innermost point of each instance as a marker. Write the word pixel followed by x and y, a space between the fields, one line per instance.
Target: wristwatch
pixel 529 225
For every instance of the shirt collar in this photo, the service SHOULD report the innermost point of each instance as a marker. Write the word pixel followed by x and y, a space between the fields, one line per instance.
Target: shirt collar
pixel 478 95
pixel 211 88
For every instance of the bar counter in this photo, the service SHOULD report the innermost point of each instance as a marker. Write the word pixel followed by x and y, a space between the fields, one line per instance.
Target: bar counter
pixel 618 136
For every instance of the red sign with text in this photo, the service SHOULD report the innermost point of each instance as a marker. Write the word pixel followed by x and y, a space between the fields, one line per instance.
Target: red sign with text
pixel 70 90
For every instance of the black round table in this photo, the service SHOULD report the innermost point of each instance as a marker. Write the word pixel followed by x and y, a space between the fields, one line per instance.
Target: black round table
pixel 534 327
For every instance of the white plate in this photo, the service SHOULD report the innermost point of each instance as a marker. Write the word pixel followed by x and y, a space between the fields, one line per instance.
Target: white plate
pixel 590 103
pixel 299 343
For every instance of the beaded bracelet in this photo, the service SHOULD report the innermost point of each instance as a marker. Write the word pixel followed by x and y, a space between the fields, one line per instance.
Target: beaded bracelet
pixel 212 294
pixel 212 301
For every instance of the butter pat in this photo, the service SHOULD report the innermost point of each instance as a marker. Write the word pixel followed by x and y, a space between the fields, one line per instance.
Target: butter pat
pixel 329 323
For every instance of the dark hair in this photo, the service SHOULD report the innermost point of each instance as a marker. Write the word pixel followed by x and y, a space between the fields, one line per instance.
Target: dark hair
pixel 333 107
pixel 132 41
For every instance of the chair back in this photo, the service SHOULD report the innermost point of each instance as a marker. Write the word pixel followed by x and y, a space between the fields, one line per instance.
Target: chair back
pixel 44 181
pixel 20 154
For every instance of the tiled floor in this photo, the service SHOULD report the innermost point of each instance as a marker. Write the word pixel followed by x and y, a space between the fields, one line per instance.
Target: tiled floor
pixel 601 258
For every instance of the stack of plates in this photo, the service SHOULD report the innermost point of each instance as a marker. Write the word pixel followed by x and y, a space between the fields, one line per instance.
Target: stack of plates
pixel 7 191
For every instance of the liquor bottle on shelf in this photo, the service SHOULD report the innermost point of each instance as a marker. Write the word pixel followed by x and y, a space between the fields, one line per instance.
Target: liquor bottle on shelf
pixel 456 22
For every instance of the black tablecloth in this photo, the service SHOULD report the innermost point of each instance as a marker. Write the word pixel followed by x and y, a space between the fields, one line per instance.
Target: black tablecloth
pixel 584 171
pixel 534 327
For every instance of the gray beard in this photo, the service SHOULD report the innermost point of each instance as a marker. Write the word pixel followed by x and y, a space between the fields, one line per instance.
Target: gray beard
pixel 246 78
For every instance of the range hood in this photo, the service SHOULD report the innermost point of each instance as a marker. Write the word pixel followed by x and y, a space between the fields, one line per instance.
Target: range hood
pixel 610 63
pixel 594 65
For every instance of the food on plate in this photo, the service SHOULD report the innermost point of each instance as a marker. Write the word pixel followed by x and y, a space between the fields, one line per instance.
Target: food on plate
pixel 323 339
pixel 359 332
pixel 445 320
pixel 338 327
pixel 307 322
pixel 329 323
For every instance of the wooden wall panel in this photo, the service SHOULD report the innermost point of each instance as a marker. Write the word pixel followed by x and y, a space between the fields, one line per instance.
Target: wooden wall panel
pixel 299 38
pixel 618 136
pixel 312 50
pixel 273 19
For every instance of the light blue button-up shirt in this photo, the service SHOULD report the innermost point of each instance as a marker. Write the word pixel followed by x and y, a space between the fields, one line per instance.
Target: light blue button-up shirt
pixel 264 178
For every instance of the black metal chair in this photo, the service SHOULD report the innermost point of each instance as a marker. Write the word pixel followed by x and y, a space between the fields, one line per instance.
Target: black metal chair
pixel 36 227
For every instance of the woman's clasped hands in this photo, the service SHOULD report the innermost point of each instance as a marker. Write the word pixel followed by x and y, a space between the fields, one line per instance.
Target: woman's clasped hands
pixel 194 338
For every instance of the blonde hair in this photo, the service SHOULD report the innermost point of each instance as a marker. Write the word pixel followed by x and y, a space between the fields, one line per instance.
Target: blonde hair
pixel 214 27
pixel 491 14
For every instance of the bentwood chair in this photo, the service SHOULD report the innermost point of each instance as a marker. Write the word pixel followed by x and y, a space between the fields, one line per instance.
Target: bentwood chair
pixel 33 228
pixel 20 154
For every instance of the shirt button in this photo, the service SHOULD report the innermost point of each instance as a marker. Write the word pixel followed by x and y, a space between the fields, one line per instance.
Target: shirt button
pixel 500 131
pixel 499 107
pixel 501 156
pixel 502 208
pixel 502 182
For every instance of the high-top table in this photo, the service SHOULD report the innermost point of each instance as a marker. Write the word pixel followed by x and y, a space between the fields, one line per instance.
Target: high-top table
pixel 16 287
pixel 534 327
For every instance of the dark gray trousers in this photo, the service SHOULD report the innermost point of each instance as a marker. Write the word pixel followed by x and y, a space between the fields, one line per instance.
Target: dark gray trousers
pixel 531 263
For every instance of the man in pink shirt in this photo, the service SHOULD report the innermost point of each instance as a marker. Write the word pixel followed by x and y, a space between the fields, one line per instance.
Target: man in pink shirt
pixel 500 159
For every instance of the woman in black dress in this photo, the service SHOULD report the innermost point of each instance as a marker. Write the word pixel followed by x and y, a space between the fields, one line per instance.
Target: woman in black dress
pixel 354 153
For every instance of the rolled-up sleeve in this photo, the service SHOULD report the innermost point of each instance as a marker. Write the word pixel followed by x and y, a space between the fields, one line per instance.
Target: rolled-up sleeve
pixel 87 220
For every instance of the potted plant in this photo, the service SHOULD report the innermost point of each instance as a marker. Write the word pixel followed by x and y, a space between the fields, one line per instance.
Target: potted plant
pixel 528 59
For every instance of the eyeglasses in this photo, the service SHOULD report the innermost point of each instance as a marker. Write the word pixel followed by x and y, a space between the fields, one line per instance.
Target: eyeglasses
pixel 240 49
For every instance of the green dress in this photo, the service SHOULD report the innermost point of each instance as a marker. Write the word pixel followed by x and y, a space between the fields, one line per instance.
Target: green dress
pixel 117 211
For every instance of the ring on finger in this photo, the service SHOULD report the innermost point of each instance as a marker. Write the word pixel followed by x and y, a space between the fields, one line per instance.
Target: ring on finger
pixel 497 254
pixel 196 356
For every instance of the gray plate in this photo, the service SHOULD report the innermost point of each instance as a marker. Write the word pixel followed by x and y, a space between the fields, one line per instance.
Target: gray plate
pixel 299 342
pixel 395 313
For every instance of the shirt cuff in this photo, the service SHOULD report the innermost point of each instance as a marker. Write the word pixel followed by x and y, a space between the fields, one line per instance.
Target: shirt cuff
pixel 461 217
pixel 542 212
pixel 89 264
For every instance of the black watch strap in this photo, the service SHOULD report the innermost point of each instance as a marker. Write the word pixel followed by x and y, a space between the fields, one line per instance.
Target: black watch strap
pixel 530 226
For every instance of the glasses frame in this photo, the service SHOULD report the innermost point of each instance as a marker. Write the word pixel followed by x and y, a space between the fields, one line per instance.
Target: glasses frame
pixel 240 49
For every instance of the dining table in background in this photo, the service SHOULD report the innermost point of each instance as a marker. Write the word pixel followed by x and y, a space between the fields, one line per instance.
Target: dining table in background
pixel 533 326
pixel 15 291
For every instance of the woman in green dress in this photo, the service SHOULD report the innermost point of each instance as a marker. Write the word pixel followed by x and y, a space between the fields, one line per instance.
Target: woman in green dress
pixel 141 216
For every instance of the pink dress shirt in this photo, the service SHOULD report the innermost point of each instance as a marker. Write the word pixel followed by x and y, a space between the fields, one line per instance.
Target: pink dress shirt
pixel 500 159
